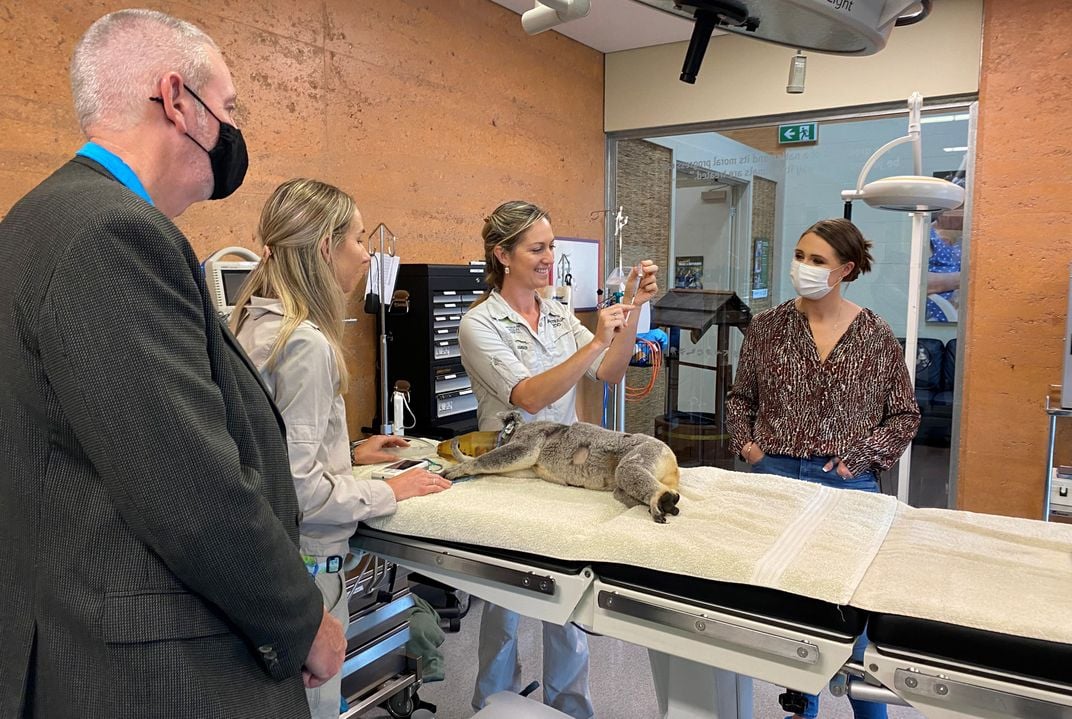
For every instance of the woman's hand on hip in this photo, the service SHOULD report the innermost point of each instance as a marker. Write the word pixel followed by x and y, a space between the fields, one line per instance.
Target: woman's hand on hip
pixel 416 482
pixel 609 321
pixel 752 453
pixel 842 470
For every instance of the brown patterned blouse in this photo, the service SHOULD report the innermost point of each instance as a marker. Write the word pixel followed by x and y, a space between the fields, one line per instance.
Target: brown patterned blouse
pixel 858 405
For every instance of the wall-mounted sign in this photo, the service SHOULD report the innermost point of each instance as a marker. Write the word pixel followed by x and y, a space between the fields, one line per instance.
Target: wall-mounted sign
pixel 798 132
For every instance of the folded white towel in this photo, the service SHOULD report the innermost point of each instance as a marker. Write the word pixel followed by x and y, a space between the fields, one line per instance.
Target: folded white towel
pixel 995 573
pixel 1002 574
pixel 735 527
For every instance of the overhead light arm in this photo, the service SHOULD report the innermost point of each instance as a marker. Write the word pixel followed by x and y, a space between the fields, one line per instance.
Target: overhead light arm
pixel 546 14
pixel 915 106
pixel 917 195
pixel 858 192
pixel 709 15
pixel 909 193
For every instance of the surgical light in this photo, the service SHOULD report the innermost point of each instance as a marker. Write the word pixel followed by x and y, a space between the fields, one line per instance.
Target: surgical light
pixel 840 27
pixel 907 193
pixel 911 193
pixel 919 195
pixel 548 13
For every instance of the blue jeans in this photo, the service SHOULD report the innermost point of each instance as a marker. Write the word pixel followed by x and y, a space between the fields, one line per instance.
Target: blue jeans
pixel 811 470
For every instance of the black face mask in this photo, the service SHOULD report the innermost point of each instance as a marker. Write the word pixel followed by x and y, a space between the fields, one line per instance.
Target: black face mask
pixel 228 157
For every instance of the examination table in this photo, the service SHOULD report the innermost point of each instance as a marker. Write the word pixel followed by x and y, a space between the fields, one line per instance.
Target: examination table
pixel 967 615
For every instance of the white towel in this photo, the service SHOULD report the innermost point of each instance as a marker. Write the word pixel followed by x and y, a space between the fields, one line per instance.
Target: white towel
pixel 1002 574
pixel 735 527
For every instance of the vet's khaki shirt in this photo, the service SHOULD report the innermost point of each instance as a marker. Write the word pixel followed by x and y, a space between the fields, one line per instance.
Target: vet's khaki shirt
pixel 304 382
pixel 499 349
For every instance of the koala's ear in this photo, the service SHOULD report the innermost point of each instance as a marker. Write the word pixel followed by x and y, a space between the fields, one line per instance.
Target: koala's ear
pixel 509 417
pixel 511 420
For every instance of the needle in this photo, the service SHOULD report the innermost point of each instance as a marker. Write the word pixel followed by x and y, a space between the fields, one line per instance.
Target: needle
pixel 636 289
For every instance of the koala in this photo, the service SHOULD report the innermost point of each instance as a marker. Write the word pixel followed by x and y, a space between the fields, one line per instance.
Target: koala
pixel 640 470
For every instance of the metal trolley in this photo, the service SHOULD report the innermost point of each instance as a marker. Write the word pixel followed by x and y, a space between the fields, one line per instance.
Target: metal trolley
pixel 377 670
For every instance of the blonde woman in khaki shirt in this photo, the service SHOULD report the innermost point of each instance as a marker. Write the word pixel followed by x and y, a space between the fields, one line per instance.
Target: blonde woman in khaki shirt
pixel 524 352
pixel 289 319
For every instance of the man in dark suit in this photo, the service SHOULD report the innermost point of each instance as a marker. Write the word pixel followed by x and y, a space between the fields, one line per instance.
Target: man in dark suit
pixel 148 520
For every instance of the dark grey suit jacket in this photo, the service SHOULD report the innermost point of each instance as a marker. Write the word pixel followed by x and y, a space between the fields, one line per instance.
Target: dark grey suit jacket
pixel 148 521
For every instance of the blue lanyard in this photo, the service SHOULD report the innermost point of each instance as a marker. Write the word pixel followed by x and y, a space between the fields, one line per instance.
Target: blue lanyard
pixel 119 169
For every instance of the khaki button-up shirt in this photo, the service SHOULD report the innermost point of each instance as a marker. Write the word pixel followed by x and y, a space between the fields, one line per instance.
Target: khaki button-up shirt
pixel 304 382
pixel 499 349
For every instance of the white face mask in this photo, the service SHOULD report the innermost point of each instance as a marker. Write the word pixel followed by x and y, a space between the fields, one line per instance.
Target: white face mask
pixel 810 282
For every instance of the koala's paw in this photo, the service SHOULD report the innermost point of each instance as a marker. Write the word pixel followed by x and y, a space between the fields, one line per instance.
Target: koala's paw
pixel 659 518
pixel 453 473
pixel 667 503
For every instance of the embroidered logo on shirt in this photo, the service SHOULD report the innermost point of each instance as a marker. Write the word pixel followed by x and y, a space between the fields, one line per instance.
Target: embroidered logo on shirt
pixel 519 335
pixel 555 321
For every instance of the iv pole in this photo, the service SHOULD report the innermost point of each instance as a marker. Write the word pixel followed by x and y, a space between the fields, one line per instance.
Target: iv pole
pixel 619 277
pixel 620 221
pixel 387 244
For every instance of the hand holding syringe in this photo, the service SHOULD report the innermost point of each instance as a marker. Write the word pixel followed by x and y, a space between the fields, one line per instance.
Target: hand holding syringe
pixel 641 285
pixel 629 292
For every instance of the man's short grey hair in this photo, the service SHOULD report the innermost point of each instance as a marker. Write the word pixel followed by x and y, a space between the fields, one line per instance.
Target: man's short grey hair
pixel 118 63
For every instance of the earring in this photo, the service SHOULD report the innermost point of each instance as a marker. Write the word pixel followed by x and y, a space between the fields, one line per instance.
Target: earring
pixel 506 269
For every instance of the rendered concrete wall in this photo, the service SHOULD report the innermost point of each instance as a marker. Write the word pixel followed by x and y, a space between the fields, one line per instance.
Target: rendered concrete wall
pixel 1020 254
pixel 429 112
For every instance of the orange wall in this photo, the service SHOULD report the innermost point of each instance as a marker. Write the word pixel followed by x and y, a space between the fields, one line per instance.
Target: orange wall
pixel 1020 254
pixel 430 112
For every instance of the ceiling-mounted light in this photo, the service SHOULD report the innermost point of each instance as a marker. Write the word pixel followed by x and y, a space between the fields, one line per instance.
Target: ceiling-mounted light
pixel 840 27
pixel 798 66
pixel 548 13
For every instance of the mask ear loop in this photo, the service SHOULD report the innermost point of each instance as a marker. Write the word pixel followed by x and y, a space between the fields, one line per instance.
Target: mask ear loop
pixel 841 280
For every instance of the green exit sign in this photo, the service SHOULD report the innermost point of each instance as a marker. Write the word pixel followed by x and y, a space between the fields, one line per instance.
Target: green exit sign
pixel 798 132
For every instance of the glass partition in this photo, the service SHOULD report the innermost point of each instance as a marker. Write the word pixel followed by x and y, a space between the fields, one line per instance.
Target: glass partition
pixel 731 205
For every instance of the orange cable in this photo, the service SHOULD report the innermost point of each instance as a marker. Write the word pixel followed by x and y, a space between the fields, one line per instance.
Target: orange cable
pixel 635 393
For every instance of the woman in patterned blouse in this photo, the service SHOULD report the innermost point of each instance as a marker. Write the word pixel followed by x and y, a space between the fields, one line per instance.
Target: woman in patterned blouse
pixel 822 391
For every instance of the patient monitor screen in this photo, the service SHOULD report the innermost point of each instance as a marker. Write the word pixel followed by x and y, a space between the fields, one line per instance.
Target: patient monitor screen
pixel 232 284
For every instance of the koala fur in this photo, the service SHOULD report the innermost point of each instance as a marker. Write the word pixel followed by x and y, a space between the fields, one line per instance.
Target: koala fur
pixel 639 469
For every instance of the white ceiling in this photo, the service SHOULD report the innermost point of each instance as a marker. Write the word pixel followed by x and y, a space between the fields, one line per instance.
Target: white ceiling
pixel 615 25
